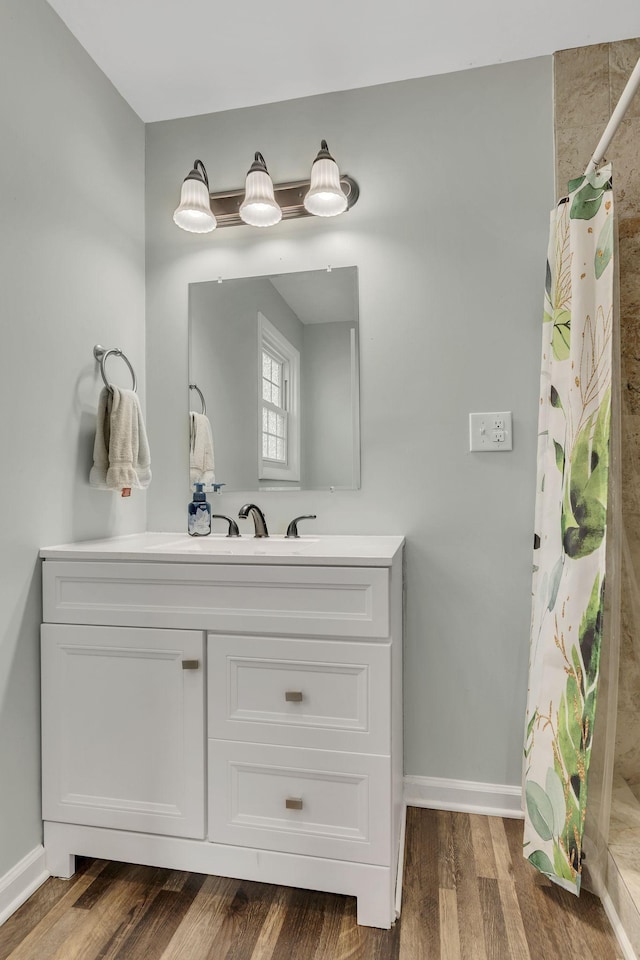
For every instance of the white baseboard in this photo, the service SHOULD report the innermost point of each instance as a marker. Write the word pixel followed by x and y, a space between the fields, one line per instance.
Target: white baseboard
pixel 467 796
pixel 21 881
pixel 623 940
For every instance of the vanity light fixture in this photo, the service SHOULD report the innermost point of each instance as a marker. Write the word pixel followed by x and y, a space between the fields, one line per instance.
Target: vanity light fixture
pixel 194 212
pixel 259 207
pixel 325 198
pixel 262 204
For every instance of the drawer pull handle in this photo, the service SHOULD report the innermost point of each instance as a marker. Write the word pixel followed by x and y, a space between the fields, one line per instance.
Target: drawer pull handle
pixel 293 803
pixel 293 696
pixel 190 664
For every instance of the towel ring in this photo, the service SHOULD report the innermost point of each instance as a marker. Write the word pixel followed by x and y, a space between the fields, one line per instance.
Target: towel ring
pixel 194 386
pixel 102 355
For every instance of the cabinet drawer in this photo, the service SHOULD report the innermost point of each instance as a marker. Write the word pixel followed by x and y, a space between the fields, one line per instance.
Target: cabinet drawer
pixel 331 695
pixel 299 601
pixel 313 802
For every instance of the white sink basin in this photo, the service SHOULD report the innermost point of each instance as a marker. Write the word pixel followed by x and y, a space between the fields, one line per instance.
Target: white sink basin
pixel 236 546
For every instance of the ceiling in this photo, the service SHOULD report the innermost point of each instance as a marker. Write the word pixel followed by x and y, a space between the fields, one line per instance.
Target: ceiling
pixel 321 296
pixel 173 59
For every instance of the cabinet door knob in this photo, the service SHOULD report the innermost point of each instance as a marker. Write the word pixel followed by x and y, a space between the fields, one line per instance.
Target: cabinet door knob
pixel 293 803
pixel 293 696
pixel 190 664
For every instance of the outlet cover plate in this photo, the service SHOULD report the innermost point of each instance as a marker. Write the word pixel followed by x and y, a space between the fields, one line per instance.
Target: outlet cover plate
pixel 490 432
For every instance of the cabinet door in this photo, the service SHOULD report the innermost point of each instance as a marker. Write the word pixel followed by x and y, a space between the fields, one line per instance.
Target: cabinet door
pixel 123 729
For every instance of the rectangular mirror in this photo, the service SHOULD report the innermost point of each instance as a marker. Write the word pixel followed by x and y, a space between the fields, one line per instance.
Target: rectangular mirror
pixel 275 360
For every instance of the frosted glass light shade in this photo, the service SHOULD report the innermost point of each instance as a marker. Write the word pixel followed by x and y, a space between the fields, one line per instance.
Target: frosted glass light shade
pixel 325 198
pixel 259 207
pixel 194 211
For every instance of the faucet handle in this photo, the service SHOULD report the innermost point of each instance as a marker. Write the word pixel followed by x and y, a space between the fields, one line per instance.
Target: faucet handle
pixel 233 526
pixel 292 529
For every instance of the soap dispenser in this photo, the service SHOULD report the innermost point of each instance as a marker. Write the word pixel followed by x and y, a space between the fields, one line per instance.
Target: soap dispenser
pixel 199 512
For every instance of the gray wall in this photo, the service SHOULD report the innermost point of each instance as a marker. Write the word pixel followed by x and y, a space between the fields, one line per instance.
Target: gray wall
pixel 71 275
pixel 327 428
pixel 450 239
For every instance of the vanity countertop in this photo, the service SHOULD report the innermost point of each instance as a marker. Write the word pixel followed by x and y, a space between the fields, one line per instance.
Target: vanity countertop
pixel 361 551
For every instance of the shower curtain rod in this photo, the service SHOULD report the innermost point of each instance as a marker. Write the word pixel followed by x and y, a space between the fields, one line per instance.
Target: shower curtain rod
pixel 616 119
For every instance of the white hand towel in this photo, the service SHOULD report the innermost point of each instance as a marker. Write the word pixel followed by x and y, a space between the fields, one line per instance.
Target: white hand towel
pixel 121 450
pixel 201 461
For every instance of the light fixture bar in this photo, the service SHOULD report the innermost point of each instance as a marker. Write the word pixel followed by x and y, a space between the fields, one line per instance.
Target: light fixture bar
pixel 289 197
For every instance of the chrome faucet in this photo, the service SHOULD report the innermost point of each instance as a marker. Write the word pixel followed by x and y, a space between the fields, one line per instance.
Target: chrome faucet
pixel 258 518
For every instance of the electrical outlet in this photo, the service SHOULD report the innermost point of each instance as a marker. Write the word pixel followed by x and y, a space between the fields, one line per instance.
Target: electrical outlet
pixel 490 432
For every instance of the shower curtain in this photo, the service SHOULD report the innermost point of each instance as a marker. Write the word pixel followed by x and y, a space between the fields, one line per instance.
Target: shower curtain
pixel 570 527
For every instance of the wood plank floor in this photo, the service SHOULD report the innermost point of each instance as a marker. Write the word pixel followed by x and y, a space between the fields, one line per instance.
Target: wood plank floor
pixel 468 895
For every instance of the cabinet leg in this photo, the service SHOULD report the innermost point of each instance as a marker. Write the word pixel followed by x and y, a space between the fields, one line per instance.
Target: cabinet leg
pixel 375 908
pixel 60 863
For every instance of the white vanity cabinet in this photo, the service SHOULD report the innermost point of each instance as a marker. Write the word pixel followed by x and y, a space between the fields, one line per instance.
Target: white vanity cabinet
pixel 237 714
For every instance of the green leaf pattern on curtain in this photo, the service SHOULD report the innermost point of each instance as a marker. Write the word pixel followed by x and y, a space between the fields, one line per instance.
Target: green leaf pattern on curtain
pixel 570 527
